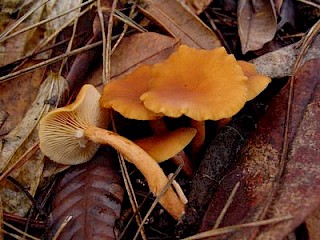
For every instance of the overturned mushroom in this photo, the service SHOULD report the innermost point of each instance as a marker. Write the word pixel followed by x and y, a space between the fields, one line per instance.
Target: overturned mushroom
pixel 71 135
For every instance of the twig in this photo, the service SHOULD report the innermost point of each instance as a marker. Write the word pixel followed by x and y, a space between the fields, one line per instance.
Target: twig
pixel 20 20
pixel 104 41
pixel 53 35
pixel 62 226
pixel 125 29
pixel 36 204
pixel 127 20
pixel 226 206
pixel 23 159
pixel 310 3
pixel 64 61
pixel 45 21
pixel 224 230
pixel 19 231
pixel 155 202
pixel 107 65
pixel 50 61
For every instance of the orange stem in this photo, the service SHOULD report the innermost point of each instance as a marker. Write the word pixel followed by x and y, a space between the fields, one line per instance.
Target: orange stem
pixel 147 166
pixel 198 140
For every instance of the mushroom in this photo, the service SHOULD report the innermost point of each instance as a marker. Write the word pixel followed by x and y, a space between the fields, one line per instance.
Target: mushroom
pixel 123 96
pixel 164 146
pixel 201 84
pixel 256 82
pixel 72 134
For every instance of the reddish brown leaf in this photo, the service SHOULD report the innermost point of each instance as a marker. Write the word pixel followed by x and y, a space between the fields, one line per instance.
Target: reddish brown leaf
pixel 147 48
pixel 178 20
pixel 257 23
pixel 299 191
pixel 260 160
pixel 312 225
pixel 91 193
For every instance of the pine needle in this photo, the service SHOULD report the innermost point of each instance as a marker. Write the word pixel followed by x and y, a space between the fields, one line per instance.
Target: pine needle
pixel 230 229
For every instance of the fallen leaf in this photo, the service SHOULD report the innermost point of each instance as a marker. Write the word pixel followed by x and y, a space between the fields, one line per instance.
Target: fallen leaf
pixel 312 225
pixel 19 140
pixel 279 63
pixel 178 20
pixel 259 162
pixel 197 6
pixel 92 194
pixel 54 8
pixel 146 48
pixel 13 48
pixel 298 194
pixel 17 94
pixel 287 14
pixel 257 23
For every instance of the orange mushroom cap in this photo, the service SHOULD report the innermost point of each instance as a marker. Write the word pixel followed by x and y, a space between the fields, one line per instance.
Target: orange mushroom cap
pixel 201 84
pixel 256 82
pixel 123 95
pixel 164 146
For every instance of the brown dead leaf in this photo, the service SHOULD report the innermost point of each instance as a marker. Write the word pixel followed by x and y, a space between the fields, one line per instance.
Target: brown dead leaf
pixel 257 23
pixel 19 140
pixel 178 20
pixel 259 162
pixel 298 194
pixel 197 6
pixel 13 48
pixel 312 225
pixel 92 194
pixel 17 94
pixel 146 48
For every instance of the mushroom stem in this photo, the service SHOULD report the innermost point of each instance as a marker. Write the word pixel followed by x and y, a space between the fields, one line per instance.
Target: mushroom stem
pixel 198 140
pixel 147 166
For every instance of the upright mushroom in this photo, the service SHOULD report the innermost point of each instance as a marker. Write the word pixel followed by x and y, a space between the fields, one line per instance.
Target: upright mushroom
pixel 71 135
pixel 256 82
pixel 123 96
pixel 201 84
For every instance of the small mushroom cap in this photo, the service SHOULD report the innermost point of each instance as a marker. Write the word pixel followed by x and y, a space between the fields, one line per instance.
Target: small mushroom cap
pixel 201 84
pixel 256 82
pixel 123 95
pixel 60 130
pixel 165 146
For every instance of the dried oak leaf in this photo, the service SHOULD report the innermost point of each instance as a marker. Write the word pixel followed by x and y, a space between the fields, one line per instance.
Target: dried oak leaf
pixel 181 23
pixel 16 95
pixel 92 194
pixel 257 23
pixel 146 48
pixel 260 158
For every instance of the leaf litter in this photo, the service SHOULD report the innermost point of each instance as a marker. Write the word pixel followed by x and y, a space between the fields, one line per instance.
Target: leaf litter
pixel 184 33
